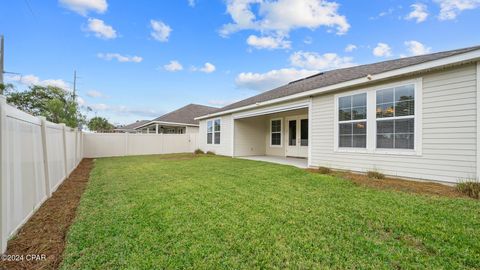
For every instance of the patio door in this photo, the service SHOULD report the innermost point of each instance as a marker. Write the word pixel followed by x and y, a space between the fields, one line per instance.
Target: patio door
pixel 297 136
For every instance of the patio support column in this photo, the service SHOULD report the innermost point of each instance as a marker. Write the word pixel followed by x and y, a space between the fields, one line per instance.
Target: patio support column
pixel 478 121
pixel 156 128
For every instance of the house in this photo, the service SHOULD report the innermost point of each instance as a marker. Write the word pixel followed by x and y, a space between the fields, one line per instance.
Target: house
pixel 130 128
pixel 180 121
pixel 416 117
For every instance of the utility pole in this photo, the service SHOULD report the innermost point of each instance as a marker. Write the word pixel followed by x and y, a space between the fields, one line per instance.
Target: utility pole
pixel 1 59
pixel 74 84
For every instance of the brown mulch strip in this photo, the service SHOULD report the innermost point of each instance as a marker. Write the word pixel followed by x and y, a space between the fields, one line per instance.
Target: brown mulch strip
pixel 411 186
pixel 45 232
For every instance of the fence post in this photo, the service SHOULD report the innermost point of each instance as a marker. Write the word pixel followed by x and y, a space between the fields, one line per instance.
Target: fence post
pixel 45 156
pixel 3 175
pixel 64 131
pixel 126 143
pixel 75 155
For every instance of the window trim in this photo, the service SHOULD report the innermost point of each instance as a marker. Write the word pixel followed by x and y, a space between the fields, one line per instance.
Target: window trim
pixel 372 120
pixel 281 132
pixel 336 122
pixel 213 131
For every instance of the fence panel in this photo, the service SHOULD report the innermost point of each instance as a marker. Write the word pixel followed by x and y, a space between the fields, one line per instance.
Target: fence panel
pixel 32 165
pixel 123 144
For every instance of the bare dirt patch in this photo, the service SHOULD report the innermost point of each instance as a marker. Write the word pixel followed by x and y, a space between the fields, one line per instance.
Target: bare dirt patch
pixel 399 184
pixel 45 232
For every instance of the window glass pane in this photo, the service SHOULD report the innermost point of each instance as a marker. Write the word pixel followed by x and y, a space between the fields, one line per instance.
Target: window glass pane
pixel 217 137
pixel 359 113
pixel 276 126
pixel 292 132
pixel 385 126
pixel 276 138
pixel 359 141
pixel 406 92
pixel 385 96
pixel 385 110
pixel 217 125
pixel 209 138
pixel 304 132
pixel 385 140
pixel 405 126
pixel 359 128
pixel 209 126
pixel 345 114
pixel 404 108
pixel 345 141
pixel 345 129
pixel 345 102
pixel 359 100
pixel 404 141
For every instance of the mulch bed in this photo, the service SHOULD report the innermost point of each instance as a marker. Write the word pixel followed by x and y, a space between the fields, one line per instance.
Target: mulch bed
pixel 411 186
pixel 45 232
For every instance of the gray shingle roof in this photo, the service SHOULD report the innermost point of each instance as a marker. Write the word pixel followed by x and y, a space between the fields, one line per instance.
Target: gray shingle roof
pixel 332 77
pixel 186 114
pixel 132 126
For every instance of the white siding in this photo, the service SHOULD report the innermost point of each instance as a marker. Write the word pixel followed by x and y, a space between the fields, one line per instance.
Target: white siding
pixel 449 132
pixel 225 146
pixel 250 136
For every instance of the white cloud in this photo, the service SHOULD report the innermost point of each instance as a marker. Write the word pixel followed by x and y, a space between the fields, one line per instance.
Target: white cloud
pixel 220 102
pixel 80 101
pixel 418 13
pixel 416 48
pixel 350 48
pixel 101 29
pixel 382 50
pixel 96 94
pixel 450 9
pixel 270 79
pixel 315 61
pixel 123 110
pixel 268 42
pixel 161 31
pixel 173 66
pixel 191 3
pixel 207 68
pixel 82 7
pixel 119 57
pixel 283 16
pixel 29 80
pixel 308 40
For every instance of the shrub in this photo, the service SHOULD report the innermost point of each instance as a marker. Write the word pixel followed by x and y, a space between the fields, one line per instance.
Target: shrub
pixel 324 170
pixel 470 187
pixel 210 153
pixel 198 152
pixel 375 174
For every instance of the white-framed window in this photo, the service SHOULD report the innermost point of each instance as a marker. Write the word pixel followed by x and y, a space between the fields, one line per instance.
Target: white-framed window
pixel 395 117
pixel 384 119
pixel 276 132
pixel 213 131
pixel 352 121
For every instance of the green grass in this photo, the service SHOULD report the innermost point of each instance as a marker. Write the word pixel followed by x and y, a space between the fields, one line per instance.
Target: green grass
pixel 211 212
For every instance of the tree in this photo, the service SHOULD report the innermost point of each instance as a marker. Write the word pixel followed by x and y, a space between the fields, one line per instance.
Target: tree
pixel 99 124
pixel 54 103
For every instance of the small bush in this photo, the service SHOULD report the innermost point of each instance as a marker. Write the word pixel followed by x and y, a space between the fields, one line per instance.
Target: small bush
pixel 375 174
pixel 199 152
pixel 470 187
pixel 324 170
pixel 210 153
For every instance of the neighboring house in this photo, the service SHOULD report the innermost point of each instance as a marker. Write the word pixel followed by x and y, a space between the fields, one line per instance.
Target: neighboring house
pixel 181 121
pixel 414 117
pixel 130 128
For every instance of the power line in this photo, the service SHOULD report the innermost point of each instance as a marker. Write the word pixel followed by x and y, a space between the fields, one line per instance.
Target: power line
pixel 30 8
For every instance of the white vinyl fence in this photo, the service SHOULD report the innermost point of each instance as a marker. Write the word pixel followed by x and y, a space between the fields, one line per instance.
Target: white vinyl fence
pixel 125 144
pixel 36 156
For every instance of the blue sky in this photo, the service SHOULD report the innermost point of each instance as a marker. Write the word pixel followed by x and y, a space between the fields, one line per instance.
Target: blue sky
pixel 139 59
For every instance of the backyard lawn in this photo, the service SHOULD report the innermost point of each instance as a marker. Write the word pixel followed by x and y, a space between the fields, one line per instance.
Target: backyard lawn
pixel 210 212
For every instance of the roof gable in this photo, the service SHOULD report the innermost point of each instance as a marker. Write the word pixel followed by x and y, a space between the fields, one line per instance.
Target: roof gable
pixel 186 114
